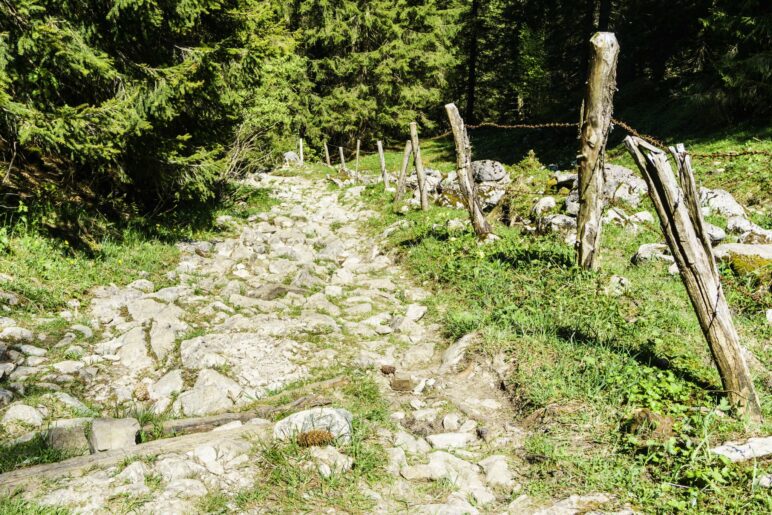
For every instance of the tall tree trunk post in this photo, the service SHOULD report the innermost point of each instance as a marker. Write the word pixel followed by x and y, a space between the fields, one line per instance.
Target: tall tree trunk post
pixel 300 147
pixel 471 78
pixel 384 173
pixel 464 172
pixel 402 180
pixel 684 229
pixel 327 155
pixel 342 160
pixel 356 167
pixel 595 122
pixel 419 167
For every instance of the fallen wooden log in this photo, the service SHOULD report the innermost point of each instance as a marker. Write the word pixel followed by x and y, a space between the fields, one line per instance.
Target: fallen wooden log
pixel 28 477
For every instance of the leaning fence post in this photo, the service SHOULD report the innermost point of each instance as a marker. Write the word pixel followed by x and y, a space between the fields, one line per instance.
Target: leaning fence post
pixel 384 173
pixel 342 160
pixel 464 171
pixel 595 121
pixel 419 167
pixel 300 147
pixel 327 155
pixel 682 224
pixel 356 169
pixel 402 180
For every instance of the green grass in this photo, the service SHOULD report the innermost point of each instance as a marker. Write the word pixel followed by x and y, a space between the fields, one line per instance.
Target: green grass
pixel 14 504
pixel 596 357
pixel 33 452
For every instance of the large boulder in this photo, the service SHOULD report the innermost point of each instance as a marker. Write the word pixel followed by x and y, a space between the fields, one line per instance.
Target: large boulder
pixel 291 158
pixel 488 171
pixel 720 202
pixel 621 184
pixel 335 420
pixel 761 253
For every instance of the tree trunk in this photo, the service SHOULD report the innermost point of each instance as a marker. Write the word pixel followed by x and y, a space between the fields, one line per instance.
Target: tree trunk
pixel 403 172
pixel 419 167
pixel 464 172
pixel 595 122
pixel 300 146
pixel 327 155
pixel 384 173
pixel 471 79
pixel 604 15
pixel 684 229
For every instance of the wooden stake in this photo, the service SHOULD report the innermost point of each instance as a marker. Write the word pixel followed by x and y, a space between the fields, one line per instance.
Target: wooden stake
pixel 356 169
pixel 384 173
pixel 327 155
pixel 300 146
pixel 595 121
pixel 402 180
pixel 342 160
pixel 464 171
pixel 684 229
pixel 419 167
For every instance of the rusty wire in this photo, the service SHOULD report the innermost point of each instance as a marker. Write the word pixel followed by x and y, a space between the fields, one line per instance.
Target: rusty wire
pixel 619 123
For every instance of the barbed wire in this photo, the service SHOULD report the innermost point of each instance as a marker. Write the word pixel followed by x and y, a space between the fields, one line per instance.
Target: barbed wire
pixel 617 122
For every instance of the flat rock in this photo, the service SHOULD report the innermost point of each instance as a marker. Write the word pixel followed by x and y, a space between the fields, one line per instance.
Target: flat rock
pixel 203 400
pixel 335 420
pixel 450 440
pixel 754 448
pixel 112 433
pixel 16 335
pixel 167 385
pixel 22 414
pixel 330 460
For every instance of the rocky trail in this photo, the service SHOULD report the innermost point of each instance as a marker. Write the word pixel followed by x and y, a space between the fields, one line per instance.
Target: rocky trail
pixel 294 295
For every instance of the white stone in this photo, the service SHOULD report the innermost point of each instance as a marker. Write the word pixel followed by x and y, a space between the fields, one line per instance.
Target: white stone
pixel 330 461
pixel 450 440
pixel 16 335
pixel 134 473
pixel 497 473
pixel 206 455
pixel 21 413
pixel 451 422
pixel 31 350
pixel 754 448
pixel 142 285
pixel 167 385
pixel 133 352
pixel 335 420
pixel 68 367
pixel 209 377
pixel 415 312
pixel 112 433
pixel 410 443
pixel 203 400
pixel 397 460
pixel 642 217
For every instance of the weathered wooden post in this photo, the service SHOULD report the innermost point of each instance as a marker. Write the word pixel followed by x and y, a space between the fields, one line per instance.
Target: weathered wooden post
pixel 594 127
pixel 356 169
pixel 419 167
pixel 684 229
pixel 464 171
pixel 384 173
pixel 402 180
pixel 327 155
pixel 342 160
pixel 300 147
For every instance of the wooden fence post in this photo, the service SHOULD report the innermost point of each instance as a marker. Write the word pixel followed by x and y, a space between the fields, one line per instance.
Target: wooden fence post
pixel 384 173
pixel 684 229
pixel 327 155
pixel 356 169
pixel 300 146
pixel 402 180
pixel 594 127
pixel 342 160
pixel 419 167
pixel 464 171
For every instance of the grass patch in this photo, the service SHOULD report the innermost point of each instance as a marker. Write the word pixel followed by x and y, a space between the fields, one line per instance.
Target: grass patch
pixel 14 504
pixel 590 359
pixel 26 454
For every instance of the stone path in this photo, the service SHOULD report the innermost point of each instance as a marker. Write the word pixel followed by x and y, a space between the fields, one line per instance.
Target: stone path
pixel 296 290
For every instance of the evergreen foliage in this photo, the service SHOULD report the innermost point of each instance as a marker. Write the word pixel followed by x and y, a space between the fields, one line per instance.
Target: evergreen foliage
pixel 142 106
